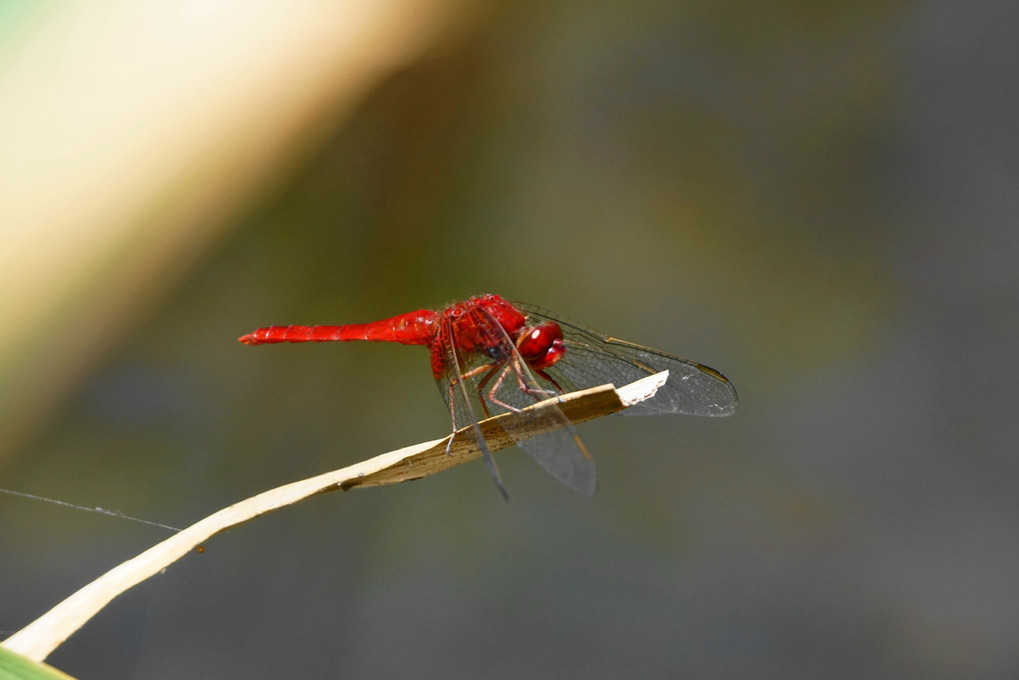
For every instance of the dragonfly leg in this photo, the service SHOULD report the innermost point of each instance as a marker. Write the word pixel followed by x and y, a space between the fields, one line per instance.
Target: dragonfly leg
pixel 498 383
pixel 491 368
pixel 547 377
pixel 518 371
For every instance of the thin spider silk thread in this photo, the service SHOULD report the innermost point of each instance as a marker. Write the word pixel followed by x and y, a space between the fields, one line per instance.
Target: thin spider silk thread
pixel 101 511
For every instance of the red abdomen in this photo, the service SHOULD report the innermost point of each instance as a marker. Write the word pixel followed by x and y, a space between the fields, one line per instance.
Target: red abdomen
pixel 412 328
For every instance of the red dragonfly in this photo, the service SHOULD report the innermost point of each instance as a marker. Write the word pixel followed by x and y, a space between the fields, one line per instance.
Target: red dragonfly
pixel 501 356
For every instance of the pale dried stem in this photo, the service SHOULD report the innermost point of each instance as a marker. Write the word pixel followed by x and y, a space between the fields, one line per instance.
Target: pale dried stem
pixel 46 633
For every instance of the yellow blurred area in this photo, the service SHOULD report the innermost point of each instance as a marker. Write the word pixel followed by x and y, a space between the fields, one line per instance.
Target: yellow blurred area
pixel 128 131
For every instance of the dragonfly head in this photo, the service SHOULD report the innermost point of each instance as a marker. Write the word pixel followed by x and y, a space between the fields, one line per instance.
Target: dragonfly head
pixel 541 345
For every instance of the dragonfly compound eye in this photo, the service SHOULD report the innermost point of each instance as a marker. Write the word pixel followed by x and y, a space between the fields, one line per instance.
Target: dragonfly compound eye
pixel 542 345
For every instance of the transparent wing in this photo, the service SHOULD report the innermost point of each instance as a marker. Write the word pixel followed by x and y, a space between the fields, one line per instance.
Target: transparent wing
pixel 456 396
pixel 493 379
pixel 593 359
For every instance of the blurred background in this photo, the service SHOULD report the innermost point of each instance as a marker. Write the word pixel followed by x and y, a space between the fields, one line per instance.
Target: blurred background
pixel 817 199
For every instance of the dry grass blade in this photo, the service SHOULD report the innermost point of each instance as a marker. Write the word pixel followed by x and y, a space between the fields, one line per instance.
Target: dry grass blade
pixel 46 633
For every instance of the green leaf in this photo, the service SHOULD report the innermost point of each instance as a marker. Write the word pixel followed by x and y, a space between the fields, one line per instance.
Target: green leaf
pixel 16 667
